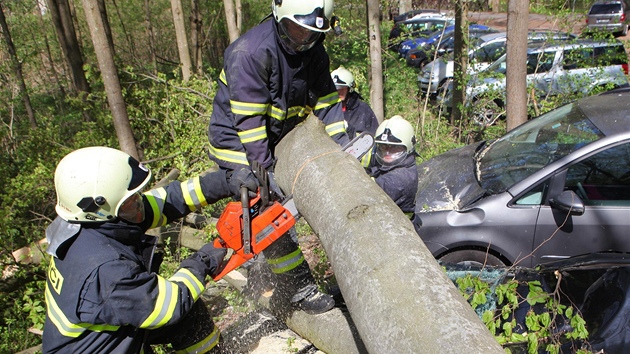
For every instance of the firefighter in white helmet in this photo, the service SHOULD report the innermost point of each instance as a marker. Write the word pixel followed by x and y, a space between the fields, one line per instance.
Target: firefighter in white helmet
pixel 394 165
pixel 358 115
pixel 273 76
pixel 103 293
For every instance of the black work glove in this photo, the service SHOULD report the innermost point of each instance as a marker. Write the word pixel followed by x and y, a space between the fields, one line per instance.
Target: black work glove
pixel 243 177
pixel 274 187
pixel 207 260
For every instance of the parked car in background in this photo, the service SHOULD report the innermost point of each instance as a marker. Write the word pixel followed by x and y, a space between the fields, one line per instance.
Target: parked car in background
pixel 577 67
pixel 426 41
pixel 412 13
pixel 555 187
pixel 610 16
pixel 418 57
pixel 483 51
pixel 420 25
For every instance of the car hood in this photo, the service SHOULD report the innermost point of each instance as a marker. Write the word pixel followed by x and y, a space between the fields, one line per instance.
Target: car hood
pixel 447 181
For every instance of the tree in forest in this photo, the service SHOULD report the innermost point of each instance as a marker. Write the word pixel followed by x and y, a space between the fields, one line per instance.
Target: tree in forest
pixel 376 62
pixel 516 74
pixel 182 39
pixel 231 16
pixel 67 37
pixel 105 58
pixel 17 68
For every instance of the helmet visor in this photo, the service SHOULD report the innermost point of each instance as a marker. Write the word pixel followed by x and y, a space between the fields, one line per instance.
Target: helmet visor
pixel 132 209
pixel 390 154
pixel 296 37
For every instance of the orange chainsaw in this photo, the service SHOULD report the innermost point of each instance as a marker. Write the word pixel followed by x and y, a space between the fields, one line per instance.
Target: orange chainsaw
pixel 251 225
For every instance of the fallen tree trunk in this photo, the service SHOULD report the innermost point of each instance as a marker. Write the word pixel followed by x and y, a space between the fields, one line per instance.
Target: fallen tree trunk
pixel 400 299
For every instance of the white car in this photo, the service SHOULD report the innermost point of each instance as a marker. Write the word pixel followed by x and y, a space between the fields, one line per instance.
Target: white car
pixel 485 50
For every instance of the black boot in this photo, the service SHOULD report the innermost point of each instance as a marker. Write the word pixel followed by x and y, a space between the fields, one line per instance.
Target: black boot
pixel 312 301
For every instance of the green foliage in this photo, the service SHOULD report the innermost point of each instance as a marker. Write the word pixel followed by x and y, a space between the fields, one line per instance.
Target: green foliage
pixel 541 321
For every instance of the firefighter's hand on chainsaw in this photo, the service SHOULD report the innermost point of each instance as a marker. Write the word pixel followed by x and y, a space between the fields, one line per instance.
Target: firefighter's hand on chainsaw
pixel 208 261
pixel 243 177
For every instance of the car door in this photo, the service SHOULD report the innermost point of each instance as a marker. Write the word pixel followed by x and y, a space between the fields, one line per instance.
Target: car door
pixel 542 72
pixel 602 182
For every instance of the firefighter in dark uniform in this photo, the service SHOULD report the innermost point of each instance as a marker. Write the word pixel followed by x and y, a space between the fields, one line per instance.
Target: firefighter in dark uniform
pixel 273 77
pixel 358 115
pixel 394 165
pixel 103 294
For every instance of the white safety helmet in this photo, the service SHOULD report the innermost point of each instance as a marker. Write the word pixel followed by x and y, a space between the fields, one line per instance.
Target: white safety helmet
pixel 92 183
pixel 343 77
pixel 394 140
pixel 301 22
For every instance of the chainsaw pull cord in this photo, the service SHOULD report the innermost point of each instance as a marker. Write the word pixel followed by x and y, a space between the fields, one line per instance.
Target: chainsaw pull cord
pixel 247 230
pixel 309 161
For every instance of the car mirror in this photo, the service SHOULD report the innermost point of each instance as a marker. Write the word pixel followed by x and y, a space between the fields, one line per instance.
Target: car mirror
pixel 569 202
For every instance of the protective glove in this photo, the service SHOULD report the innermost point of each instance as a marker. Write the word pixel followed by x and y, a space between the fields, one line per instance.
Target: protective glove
pixel 243 177
pixel 207 261
pixel 274 187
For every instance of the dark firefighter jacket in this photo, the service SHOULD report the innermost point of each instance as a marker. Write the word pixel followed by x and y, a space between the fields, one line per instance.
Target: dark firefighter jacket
pixel 400 182
pixel 359 116
pixel 101 294
pixel 264 91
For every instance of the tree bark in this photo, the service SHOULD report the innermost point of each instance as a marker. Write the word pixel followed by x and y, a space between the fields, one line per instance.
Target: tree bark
pixel 150 35
pixel 376 62
pixel 182 39
pixel 17 69
pixel 516 74
pixel 66 35
pixel 230 19
pixel 461 60
pixel 404 6
pixel 196 32
pixel 372 245
pixel 110 78
pixel 48 56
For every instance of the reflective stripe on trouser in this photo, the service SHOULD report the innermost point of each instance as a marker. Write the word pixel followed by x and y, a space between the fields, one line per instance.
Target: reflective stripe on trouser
pixel 195 333
pixel 288 264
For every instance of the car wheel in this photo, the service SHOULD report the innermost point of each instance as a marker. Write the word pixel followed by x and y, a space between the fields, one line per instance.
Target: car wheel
pixel 472 257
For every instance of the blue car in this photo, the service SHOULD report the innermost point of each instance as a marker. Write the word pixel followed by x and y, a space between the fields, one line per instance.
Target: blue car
pixel 434 38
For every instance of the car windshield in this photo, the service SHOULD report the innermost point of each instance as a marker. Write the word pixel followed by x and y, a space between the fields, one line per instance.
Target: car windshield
pixel 533 145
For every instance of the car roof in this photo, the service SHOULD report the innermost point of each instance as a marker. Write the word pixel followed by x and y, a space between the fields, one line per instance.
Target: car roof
pixel 530 34
pixel 609 111
pixel 580 42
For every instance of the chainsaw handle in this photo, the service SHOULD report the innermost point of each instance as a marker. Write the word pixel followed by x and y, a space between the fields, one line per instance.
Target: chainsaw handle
pixel 247 222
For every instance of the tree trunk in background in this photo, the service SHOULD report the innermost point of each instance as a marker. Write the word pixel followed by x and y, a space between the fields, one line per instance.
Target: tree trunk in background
pixel 110 78
pixel 66 35
pixel 230 19
pixel 376 61
pixel 516 74
pixel 196 37
pixel 102 9
pixel 461 60
pixel 404 6
pixel 150 35
pixel 17 68
pixel 239 16
pixel 182 39
pixel 495 5
pixel 48 56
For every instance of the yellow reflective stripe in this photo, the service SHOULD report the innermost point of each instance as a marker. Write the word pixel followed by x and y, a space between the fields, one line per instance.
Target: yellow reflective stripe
pixel 366 159
pixel 327 100
pixel 156 198
pixel 247 136
pixel 204 345
pixel 193 195
pixel 222 77
pixel 286 263
pixel 275 113
pixel 63 324
pixel 190 280
pixel 167 299
pixel 229 155
pixel 336 128
pixel 294 111
pixel 248 109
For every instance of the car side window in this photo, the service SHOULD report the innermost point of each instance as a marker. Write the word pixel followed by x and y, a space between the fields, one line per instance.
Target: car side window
pixel 602 179
pixel 534 196
pixel 540 62
pixel 489 53
pixel 581 58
